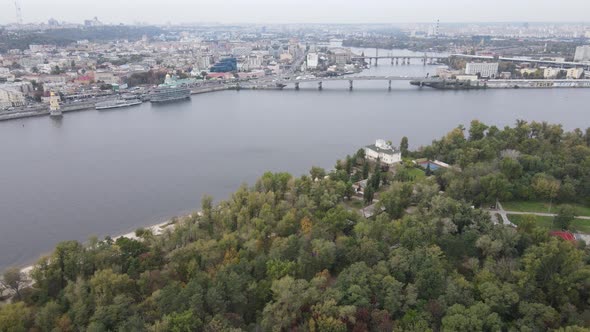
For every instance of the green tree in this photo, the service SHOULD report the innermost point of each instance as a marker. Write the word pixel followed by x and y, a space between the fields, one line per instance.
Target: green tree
pixel 565 216
pixel 317 173
pixel 365 170
pixel 477 130
pixel 46 318
pixel 185 321
pixel 403 146
pixel 368 195
pixel 15 317
pixel 478 317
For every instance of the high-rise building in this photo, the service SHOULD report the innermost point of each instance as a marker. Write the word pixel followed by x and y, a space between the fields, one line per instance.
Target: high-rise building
pixel 312 60
pixel 582 53
pixel 484 69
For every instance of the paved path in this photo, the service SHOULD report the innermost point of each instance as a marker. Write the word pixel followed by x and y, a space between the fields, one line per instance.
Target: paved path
pixel 543 214
pixel 503 214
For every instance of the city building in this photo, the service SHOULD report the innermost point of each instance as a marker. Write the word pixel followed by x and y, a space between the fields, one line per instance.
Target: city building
pixel 551 73
pixel 384 152
pixel 225 65
pixel 106 77
pixel 575 73
pixel 483 69
pixel 582 54
pixel 10 97
pixel 340 56
pixel 312 60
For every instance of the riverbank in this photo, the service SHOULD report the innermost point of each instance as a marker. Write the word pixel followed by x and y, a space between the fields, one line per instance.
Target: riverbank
pixel 156 229
pixel 36 112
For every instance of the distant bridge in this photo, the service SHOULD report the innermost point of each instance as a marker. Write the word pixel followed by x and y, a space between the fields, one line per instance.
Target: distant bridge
pixel 401 59
pixel 433 59
pixel 561 64
pixel 350 79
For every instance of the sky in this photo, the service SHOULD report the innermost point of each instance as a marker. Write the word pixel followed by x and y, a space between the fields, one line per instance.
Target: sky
pixel 298 11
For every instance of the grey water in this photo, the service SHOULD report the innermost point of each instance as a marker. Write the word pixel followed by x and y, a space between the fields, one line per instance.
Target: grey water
pixel 110 172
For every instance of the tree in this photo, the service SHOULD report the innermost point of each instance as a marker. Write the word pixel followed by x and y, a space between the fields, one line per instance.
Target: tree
pixel 545 186
pixel 14 317
pixel 478 317
pixel 349 190
pixel 56 70
pixel 365 170
pixel 185 321
pixel 48 316
pixel 565 216
pixel 403 146
pixel 106 285
pixel 360 155
pixel 14 280
pixel 317 173
pixel 369 194
pixel 477 130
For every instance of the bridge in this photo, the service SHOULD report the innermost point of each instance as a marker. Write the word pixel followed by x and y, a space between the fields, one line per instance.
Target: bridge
pixel 403 59
pixel 350 79
pixel 561 64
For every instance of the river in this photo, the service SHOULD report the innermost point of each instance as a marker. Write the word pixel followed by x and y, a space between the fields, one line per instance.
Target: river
pixel 109 172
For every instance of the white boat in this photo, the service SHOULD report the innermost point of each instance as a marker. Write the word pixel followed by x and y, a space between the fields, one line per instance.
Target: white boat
pixel 118 103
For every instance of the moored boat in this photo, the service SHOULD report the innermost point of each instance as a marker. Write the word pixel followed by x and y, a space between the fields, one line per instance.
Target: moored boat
pixel 117 103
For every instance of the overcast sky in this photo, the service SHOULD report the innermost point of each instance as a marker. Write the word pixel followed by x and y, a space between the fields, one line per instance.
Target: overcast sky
pixel 298 11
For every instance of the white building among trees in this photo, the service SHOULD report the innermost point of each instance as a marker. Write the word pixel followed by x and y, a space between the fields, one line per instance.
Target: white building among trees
pixel 383 151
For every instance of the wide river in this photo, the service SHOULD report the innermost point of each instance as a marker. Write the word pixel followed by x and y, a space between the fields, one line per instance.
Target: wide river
pixel 110 172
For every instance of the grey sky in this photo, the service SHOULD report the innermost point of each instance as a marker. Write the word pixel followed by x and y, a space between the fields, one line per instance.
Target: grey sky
pixel 298 11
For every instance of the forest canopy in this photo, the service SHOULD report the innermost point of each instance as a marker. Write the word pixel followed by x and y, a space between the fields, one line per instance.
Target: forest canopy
pixel 295 254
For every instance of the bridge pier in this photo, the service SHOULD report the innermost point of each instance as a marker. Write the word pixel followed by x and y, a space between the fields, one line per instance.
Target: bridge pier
pixel 408 61
pixel 320 85
pixel 389 85
pixel 376 62
pixel 296 85
pixel 397 61
pixel 392 61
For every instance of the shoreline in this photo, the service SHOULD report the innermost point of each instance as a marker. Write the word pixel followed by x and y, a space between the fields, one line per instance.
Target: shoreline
pixel 156 229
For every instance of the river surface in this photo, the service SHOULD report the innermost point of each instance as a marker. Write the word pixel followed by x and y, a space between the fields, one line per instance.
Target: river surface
pixel 110 172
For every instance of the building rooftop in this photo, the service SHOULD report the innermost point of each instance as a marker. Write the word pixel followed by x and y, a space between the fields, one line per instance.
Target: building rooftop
pixel 381 146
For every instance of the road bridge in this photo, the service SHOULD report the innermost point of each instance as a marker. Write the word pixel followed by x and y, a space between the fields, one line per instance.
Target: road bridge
pixel 350 79
pixel 400 59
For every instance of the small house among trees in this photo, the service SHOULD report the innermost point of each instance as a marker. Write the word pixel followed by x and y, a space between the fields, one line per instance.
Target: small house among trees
pixel 384 152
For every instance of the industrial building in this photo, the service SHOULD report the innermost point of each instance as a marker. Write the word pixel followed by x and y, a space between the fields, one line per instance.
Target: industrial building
pixel 483 69
pixel 582 54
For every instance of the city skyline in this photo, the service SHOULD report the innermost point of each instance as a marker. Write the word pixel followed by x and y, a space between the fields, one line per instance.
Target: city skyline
pixel 289 11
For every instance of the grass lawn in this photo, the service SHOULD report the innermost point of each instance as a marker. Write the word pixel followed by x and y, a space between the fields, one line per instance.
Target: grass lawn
pixel 544 222
pixel 582 226
pixel 542 207
pixel 578 225
pixel 417 173
pixel 354 203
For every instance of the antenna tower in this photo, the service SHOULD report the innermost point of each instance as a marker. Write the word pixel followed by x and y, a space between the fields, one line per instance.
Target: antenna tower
pixel 19 14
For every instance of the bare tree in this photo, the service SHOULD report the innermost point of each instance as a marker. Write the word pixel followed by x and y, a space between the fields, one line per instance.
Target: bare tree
pixel 13 280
